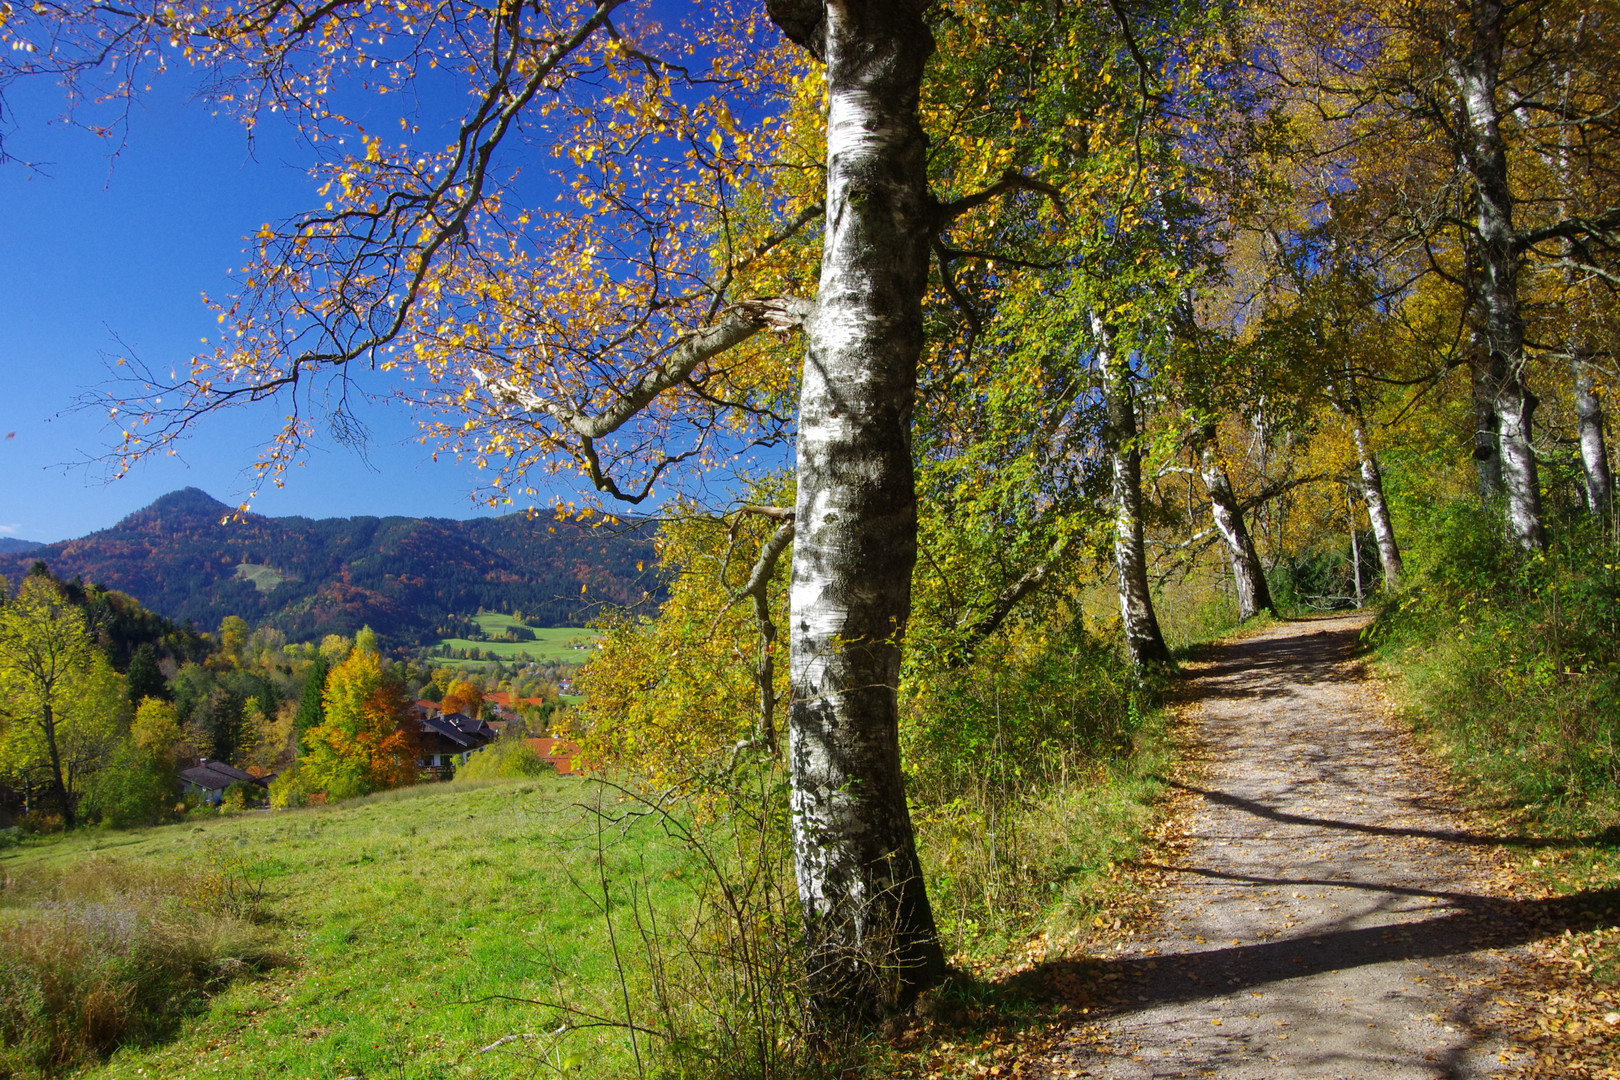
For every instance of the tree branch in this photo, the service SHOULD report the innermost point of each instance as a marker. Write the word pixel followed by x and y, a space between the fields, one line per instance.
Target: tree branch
pixel 946 213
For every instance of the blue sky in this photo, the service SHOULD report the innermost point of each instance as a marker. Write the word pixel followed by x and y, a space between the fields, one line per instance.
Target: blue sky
pixel 96 250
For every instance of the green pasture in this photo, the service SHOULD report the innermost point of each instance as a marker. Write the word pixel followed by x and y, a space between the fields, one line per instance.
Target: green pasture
pixel 552 644
pixel 410 919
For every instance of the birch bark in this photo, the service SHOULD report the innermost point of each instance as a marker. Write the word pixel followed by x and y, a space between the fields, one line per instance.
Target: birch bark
pixel 1372 493
pixel 1589 426
pixel 1484 155
pixel 1142 634
pixel 1248 573
pixel 870 930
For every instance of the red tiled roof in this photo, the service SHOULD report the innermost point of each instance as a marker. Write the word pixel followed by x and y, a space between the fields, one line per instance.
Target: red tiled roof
pixel 558 753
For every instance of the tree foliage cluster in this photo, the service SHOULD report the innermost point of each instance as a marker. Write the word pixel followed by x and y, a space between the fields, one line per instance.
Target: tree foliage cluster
pixel 88 739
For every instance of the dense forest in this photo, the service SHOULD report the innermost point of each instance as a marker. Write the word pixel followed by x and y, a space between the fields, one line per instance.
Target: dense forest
pixel 412 580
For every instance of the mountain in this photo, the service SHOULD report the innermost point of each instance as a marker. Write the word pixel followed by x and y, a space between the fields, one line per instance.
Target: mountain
pixel 11 546
pixel 410 579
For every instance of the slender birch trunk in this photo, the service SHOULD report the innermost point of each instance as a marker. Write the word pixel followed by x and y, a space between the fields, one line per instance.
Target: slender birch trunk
pixel 1594 452
pixel 1372 493
pixel 1484 155
pixel 870 930
pixel 1248 573
pixel 1355 544
pixel 1487 457
pixel 1347 399
pixel 1142 634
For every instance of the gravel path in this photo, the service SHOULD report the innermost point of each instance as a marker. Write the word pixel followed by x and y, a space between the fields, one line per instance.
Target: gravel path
pixel 1329 915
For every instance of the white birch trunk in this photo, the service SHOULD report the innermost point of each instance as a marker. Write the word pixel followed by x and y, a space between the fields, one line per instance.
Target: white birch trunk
pixel 870 930
pixel 1485 157
pixel 1372 493
pixel 1141 624
pixel 1248 573
pixel 1594 452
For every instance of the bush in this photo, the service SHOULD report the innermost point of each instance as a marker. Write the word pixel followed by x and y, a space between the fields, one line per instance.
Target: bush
pixel 504 759
pixel 347 785
pixel 133 790
pixel 107 956
pixel 287 789
pixel 1022 770
pixel 239 796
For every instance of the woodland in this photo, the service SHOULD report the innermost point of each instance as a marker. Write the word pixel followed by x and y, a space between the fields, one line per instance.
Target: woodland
pixel 977 357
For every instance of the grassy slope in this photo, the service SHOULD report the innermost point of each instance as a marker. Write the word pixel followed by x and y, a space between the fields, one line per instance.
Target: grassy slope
pixel 398 910
pixel 550 644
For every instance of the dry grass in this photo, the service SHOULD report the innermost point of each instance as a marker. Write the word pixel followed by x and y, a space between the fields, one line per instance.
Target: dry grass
pixel 106 955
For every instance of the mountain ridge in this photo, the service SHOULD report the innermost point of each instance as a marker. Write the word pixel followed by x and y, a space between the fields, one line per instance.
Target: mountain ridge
pixel 411 579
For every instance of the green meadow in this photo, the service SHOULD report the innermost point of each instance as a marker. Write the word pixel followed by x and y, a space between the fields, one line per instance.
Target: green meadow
pixel 407 923
pixel 552 644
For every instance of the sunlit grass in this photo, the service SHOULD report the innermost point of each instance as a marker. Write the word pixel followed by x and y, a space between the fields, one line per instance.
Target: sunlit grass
pixel 405 916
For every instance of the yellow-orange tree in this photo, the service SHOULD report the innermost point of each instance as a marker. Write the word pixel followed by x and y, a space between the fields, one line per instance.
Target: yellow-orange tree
pixel 366 742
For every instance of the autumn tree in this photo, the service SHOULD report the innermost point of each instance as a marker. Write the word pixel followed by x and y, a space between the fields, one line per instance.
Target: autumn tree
pixel 364 743
pixel 58 716
pixel 463 696
pixel 1475 143
pixel 713 188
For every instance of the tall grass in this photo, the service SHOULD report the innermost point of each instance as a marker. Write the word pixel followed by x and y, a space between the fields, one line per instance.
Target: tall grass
pixel 1511 663
pixel 1030 773
pixel 107 955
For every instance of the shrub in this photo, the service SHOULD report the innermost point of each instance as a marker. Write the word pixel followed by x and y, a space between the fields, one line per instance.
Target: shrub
pixel 287 789
pixel 239 796
pixel 1511 662
pixel 504 759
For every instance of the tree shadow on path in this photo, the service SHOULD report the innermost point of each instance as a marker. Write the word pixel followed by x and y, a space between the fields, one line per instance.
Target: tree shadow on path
pixel 1474 923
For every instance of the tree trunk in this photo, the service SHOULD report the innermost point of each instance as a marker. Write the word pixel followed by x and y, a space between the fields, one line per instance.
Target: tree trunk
pixel 1594 453
pixel 1142 634
pixel 870 931
pixel 1355 547
pixel 1487 458
pixel 58 786
pixel 1249 574
pixel 1484 155
pixel 1372 493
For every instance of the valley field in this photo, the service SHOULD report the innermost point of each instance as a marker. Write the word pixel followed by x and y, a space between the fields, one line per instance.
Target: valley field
pixel 403 916
pixel 551 644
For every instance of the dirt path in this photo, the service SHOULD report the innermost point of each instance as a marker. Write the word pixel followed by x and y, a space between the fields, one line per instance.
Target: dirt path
pixel 1330 916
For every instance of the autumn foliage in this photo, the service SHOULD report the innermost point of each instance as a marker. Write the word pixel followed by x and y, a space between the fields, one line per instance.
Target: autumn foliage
pixel 366 742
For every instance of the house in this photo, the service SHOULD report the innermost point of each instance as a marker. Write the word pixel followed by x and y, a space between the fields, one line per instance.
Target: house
pixel 558 753
pixel 209 779
pixel 445 741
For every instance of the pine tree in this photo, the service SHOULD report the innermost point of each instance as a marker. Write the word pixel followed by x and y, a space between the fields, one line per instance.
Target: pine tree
pixel 311 713
pixel 145 678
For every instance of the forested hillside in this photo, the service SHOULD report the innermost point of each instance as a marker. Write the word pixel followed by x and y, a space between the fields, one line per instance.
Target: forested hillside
pixel 410 579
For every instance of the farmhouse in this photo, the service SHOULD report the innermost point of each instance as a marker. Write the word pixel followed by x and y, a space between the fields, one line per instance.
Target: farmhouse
pixel 209 779
pixel 447 740
pixel 558 753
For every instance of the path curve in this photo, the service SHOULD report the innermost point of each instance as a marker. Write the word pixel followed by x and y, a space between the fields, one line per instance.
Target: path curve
pixel 1330 914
